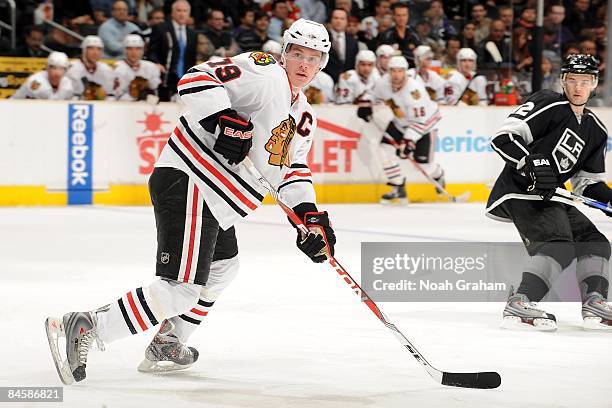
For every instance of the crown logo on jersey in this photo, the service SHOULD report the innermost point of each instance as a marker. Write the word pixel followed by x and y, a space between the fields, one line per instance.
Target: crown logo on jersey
pixel 280 141
pixel 262 58
pixel 564 163
pixel 415 94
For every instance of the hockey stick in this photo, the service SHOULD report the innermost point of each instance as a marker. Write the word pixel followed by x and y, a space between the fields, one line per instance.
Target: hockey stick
pixel 455 199
pixel 585 200
pixel 489 379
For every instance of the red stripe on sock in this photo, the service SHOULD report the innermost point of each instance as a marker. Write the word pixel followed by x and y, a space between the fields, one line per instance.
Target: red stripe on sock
pixel 141 322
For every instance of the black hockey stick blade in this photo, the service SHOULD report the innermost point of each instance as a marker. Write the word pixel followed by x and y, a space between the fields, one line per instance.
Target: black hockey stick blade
pixel 484 380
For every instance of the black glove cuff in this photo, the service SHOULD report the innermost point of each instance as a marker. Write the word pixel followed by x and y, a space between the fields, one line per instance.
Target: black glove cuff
pixel 209 123
pixel 599 191
pixel 301 209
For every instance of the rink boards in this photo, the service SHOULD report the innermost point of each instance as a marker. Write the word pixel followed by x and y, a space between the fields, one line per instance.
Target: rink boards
pixel 68 152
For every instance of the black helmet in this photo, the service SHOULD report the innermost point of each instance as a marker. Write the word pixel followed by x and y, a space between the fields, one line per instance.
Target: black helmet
pixel 580 64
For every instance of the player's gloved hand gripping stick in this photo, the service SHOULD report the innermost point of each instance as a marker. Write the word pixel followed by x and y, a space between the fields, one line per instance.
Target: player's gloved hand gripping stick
pixel 606 208
pixel 487 379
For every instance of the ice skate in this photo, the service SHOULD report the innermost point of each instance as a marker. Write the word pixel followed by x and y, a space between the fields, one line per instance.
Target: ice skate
pixel 397 195
pixel 78 329
pixel 521 313
pixel 166 353
pixel 596 312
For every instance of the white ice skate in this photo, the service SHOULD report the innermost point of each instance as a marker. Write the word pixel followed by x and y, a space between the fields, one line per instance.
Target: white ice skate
pixel 521 313
pixel 166 353
pixel 596 312
pixel 78 331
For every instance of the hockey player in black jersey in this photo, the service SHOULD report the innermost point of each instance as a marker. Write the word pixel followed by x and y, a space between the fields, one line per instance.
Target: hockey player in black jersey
pixel 550 139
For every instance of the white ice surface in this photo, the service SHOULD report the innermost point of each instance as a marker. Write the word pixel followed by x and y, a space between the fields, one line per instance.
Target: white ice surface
pixel 286 333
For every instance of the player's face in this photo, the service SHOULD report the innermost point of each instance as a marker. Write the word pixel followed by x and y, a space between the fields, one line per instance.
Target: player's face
pixel 425 62
pixel 133 54
pixel 466 66
pixel 55 75
pixel 364 69
pixel 302 64
pixel 398 76
pixel 383 62
pixel 93 54
pixel 578 87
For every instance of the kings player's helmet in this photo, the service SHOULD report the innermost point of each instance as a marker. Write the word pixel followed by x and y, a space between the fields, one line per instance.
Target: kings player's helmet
pixel 308 34
pixel 580 64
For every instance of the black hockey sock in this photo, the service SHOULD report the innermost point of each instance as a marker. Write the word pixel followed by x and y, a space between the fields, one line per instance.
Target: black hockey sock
pixel 533 287
pixel 597 284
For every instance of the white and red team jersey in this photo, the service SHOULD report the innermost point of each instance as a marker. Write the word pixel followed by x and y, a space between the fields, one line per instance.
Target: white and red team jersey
pixel 462 90
pixel 434 83
pixel 413 110
pixel 320 89
pixel 97 84
pixel 37 86
pixel 351 86
pixel 126 73
pixel 257 87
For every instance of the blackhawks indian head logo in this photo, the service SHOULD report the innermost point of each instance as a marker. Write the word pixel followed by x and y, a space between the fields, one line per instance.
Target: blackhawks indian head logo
pixel 415 94
pixel 280 141
pixel 261 58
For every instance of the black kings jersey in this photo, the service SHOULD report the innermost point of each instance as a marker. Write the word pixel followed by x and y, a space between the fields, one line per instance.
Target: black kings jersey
pixel 546 124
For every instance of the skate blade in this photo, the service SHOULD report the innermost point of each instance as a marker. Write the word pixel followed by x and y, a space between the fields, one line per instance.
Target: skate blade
pixel 516 323
pixel 160 367
pixel 395 201
pixel 55 331
pixel 596 324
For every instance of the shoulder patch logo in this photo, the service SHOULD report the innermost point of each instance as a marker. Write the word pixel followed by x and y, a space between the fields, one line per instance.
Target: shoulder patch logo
pixel 261 58
pixel 346 75
pixel 34 85
pixel 280 141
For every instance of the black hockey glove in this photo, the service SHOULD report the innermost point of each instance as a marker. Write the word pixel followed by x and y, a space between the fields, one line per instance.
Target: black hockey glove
pixel 600 192
pixel 318 245
pixel 235 137
pixel 543 177
pixel 405 148
pixel 364 110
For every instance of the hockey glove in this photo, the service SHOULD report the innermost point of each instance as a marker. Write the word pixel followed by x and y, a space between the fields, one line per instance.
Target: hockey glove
pixel 600 192
pixel 235 137
pixel 543 178
pixel 405 148
pixel 318 245
pixel 364 110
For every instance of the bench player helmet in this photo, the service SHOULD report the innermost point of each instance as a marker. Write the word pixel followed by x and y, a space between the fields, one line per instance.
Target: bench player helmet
pixel 422 51
pixel 398 61
pixel 308 34
pixel 365 56
pixel 58 59
pixel 92 41
pixel 133 41
pixel 466 54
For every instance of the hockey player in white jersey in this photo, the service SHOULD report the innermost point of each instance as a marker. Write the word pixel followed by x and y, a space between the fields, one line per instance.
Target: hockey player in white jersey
pixel 356 84
pixel 411 132
pixel 434 83
pixel 465 86
pixel 91 78
pixel 383 53
pixel 320 89
pixel 51 83
pixel 248 105
pixel 135 77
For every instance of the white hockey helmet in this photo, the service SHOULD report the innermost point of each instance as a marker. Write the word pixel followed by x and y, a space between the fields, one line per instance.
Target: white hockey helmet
pixel 133 41
pixel 272 47
pixel 398 61
pixel 466 54
pixel 58 59
pixel 92 41
pixel 422 51
pixel 385 49
pixel 309 34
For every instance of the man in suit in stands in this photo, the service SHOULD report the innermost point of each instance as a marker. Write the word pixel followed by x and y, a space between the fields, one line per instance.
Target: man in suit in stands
pixel 344 47
pixel 173 46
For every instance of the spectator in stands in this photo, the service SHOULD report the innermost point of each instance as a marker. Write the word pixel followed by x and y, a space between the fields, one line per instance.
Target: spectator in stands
pixel 155 17
pixel 220 38
pixel 369 25
pixel 32 47
pixel 571 48
pixel 273 48
pixel 554 21
pixel 350 6
pixel 114 30
pixel 344 47
pixel 527 18
pixel 580 17
pixel 481 22
pixel 449 59
pixel 247 22
pixel 280 13
pixel 312 10
pixel 441 28
pixel 173 48
pixel 506 14
pixel 588 46
pixel 468 35
pixel 136 79
pixel 549 79
pixel 254 39
pixel 143 8
pixel 354 30
pixel 72 12
pixel 91 78
pixel 402 36
pixel 204 49
pixel 102 9
pixel 496 36
pixel 424 37
pixel 49 84
pixel 521 57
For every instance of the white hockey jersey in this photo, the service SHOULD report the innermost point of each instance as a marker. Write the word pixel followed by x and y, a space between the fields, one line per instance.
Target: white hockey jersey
pixel 434 83
pixel 256 86
pixel 320 89
pixel 37 86
pixel 92 85
pixel 460 90
pixel 413 111
pixel 132 80
pixel 352 87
